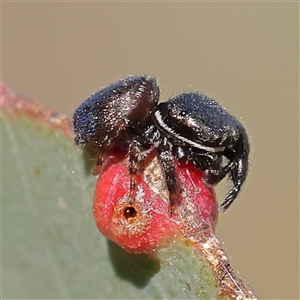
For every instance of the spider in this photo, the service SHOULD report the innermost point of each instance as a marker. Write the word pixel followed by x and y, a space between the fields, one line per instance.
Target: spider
pixel 189 127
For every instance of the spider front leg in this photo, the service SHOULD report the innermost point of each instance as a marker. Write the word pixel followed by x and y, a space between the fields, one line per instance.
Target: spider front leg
pixel 167 161
pixel 237 169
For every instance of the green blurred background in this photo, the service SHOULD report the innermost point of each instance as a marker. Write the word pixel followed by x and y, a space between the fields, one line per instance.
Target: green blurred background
pixel 245 55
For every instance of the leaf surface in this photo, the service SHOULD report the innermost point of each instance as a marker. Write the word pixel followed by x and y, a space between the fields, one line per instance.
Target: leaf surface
pixel 51 247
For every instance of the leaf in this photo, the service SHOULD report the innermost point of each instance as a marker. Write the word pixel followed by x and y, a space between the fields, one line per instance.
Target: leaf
pixel 51 247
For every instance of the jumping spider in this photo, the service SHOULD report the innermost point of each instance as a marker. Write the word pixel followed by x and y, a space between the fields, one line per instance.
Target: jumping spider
pixel 189 127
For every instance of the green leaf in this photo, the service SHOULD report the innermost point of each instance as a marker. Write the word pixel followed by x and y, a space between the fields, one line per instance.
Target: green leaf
pixel 50 245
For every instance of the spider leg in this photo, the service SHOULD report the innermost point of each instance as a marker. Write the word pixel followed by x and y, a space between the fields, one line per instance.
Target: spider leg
pixel 167 161
pixel 103 150
pixel 134 153
pixel 237 169
pixel 211 164
pixel 98 166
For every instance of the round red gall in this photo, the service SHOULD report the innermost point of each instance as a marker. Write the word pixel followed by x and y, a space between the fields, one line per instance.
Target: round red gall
pixel 149 221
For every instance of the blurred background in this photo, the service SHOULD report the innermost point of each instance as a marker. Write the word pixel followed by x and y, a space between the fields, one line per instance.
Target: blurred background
pixel 245 55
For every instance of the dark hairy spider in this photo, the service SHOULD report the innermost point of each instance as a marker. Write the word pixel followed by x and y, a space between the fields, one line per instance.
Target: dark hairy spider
pixel 189 127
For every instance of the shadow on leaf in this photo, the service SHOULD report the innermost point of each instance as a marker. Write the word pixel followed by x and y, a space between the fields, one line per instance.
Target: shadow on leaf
pixel 138 269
